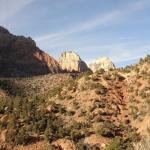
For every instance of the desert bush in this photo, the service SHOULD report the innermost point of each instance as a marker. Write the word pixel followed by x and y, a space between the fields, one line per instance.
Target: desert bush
pixel 107 77
pixel 143 94
pixel 55 91
pixel 21 137
pixel 100 71
pixel 76 104
pixel 99 104
pixel 85 74
pixel 82 112
pixel 126 69
pixel 76 135
pixel 71 113
pixel 138 84
pixel 26 116
pixel 48 134
pixel 71 84
pixel 80 145
pixel 134 111
pixel 148 102
pixel 117 143
pixel 131 89
pixel 105 130
pixel 95 78
pixel 87 78
pixel 92 85
pixel 69 97
pixel 49 147
pixel 79 125
pixel 101 90
pixel 146 59
pixel 11 87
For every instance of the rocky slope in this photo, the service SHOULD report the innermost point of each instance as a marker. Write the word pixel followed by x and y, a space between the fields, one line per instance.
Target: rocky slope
pixel 71 62
pixel 105 110
pixel 102 63
pixel 19 56
pixel 138 81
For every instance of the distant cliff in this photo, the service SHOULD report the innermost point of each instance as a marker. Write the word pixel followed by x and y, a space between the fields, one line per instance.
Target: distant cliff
pixel 102 63
pixel 19 56
pixel 71 62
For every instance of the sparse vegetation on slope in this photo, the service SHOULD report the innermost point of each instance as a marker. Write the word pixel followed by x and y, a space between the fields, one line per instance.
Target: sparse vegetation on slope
pixel 105 110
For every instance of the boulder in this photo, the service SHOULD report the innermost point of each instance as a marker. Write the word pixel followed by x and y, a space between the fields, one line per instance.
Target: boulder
pixel 71 62
pixel 4 118
pixel 64 144
pixel 102 63
pixel 97 141
pixel 3 136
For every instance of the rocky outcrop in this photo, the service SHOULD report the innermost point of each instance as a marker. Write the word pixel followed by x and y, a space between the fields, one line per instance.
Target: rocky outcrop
pixel 102 63
pixel 19 56
pixel 71 62
pixel 63 144
pixel 96 140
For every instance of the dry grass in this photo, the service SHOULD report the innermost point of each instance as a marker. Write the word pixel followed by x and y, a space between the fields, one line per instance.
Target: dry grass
pixel 144 144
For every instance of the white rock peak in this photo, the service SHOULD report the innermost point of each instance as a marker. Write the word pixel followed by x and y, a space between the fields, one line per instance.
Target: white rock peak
pixel 102 63
pixel 70 61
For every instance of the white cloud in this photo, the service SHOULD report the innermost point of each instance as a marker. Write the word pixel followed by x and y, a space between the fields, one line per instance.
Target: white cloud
pixel 126 49
pixel 80 27
pixel 8 8
pixel 100 20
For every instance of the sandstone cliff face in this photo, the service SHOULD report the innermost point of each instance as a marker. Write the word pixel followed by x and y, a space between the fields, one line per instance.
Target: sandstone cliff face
pixel 71 62
pixel 102 63
pixel 19 56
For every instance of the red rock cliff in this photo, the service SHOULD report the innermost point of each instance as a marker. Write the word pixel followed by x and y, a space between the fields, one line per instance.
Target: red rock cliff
pixel 19 56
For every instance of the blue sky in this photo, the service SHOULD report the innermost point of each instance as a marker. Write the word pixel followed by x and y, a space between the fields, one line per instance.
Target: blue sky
pixel 119 29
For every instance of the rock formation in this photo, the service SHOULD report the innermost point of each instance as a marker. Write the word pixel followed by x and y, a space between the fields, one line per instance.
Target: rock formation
pixel 102 63
pixel 64 144
pixel 71 62
pixel 19 56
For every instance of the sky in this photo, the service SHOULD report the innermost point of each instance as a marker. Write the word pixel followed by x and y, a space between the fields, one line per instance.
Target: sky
pixel 119 29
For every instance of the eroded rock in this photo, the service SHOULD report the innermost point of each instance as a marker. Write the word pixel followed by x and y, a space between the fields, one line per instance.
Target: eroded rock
pixel 19 56
pixel 102 63
pixel 71 62
pixel 64 144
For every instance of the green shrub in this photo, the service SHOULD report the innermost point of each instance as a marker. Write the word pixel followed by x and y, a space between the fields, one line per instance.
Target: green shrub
pixel 117 144
pixel 100 71
pixel 70 113
pixel 76 135
pixel 134 111
pixel 105 131
pixel 55 91
pixel 48 134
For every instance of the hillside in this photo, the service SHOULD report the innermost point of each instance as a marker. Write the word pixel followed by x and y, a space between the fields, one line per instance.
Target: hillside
pixel 19 56
pixel 106 110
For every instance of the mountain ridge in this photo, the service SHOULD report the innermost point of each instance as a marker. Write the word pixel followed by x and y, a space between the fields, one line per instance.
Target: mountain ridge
pixel 21 57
